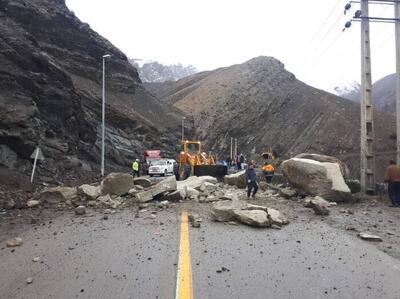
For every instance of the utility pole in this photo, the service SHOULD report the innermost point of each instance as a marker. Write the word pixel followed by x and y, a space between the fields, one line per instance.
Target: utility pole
pixel 231 148
pixel 236 149
pixel 183 127
pixel 397 40
pixel 367 163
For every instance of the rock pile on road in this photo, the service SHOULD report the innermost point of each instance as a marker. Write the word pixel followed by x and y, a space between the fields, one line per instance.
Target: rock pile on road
pixel 243 212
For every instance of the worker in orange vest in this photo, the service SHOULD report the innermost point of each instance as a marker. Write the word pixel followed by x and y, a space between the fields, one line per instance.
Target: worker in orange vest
pixel 269 171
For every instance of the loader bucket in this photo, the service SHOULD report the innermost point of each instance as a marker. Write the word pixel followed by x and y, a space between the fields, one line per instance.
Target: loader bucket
pixel 218 171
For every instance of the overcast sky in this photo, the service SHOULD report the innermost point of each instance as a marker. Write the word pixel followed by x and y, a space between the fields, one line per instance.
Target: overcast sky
pixel 305 35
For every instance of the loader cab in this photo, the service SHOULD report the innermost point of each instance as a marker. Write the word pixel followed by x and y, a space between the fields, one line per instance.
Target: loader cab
pixel 191 147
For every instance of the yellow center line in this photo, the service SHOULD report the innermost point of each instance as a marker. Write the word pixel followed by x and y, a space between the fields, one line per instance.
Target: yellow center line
pixel 184 288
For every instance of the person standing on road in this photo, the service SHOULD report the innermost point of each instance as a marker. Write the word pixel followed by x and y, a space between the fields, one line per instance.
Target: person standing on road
pixel 135 168
pixel 392 177
pixel 176 171
pixel 251 180
pixel 269 171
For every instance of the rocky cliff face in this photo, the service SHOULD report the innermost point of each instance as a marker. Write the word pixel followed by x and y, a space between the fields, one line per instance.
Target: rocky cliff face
pixel 264 106
pixel 50 95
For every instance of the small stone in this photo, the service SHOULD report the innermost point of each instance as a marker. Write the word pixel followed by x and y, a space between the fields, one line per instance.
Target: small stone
pixel 368 237
pixel 105 217
pixel 32 203
pixel 36 259
pixel 81 210
pixel 107 211
pixel 29 280
pixel 14 242
pixel 71 247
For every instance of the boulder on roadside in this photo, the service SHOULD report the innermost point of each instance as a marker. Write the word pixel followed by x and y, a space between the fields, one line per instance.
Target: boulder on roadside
pixel 89 191
pixel 236 179
pixel 253 215
pixel 324 158
pixel 195 182
pixel 56 195
pixel 317 178
pixel 223 211
pixel 117 184
pixel 318 204
pixel 142 181
pixel 258 218
pixel 169 184
pixel 191 192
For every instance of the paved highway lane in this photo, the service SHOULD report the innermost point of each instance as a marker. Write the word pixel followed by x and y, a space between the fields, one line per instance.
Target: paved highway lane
pixel 128 257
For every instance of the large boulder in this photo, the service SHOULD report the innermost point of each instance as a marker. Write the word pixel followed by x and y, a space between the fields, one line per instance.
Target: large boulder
pixel 142 181
pixel 169 184
pixel 317 178
pixel 324 158
pixel 253 215
pixel 89 191
pixel 258 218
pixel 195 182
pixel 236 179
pixel 57 195
pixel 117 184
pixel 224 211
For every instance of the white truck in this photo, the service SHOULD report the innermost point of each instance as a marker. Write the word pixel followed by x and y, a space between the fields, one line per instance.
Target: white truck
pixel 162 167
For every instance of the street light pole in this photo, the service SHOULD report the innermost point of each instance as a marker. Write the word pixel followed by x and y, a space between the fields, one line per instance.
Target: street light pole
pixel 103 113
pixel 183 127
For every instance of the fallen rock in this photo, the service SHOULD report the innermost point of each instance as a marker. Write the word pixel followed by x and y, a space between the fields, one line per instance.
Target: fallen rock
pixel 195 220
pixel 117 184
pixel 142 181
pixel 32 203
pixel 276 217
pixel 81 210
pixel 324 158
pixel 318 204
pixel 207 188
pixel 368 237
pixel 175 196
pixel 108 202
pixel 317 178
pixel 168 184
pixel 223 211
pixel 15 242
pixel 236 179
pixel 89 191
pixel 287 193
pixel 195 182
pixel 29 280
pixel 163 204
pixel 56 195
pixel 258 218
pixel 133 191
pixel 36 259
pixel 191 192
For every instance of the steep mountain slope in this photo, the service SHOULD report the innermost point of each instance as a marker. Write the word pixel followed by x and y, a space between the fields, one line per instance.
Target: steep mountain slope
pixel 383 93
pixel 50 94
pixel 263 105
pixel 154 71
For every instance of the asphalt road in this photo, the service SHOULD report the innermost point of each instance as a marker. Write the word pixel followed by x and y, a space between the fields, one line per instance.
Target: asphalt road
pixel 128 257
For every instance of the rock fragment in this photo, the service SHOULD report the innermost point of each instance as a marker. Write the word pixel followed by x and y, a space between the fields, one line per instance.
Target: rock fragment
pixel 81 210
pixel 32 203
pixel 369 237
pixel 14 242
